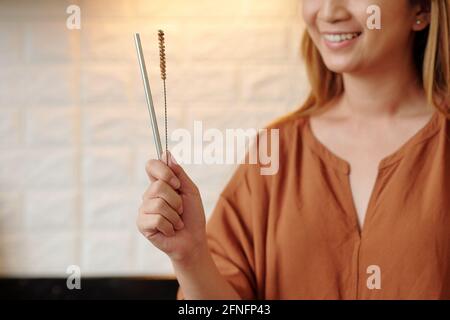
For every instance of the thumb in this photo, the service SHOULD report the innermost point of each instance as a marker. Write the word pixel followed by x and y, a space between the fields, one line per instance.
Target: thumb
pixel 187 185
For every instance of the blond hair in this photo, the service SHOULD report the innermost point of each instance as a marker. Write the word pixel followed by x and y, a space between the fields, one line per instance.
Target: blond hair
pixel 431 56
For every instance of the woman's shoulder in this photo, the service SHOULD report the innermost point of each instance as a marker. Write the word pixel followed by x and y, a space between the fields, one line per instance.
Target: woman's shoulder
pixel 288 122
pixel 293 130
pixel 289 129
pixel 272 147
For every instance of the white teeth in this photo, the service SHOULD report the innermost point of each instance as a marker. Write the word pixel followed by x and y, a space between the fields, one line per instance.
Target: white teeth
pixel 340 37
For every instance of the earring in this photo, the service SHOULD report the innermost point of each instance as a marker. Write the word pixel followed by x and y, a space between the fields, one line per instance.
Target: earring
pixel 418 22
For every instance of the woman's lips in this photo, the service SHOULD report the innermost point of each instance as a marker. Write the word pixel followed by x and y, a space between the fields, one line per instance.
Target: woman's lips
pixel 340 40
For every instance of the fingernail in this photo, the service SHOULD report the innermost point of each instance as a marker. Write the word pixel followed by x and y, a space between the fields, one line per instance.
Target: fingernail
pixel 180 210
pixel 175 182
pixel 180 225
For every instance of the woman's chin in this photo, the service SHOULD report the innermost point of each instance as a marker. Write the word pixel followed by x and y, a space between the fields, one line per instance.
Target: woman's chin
pixel 341 67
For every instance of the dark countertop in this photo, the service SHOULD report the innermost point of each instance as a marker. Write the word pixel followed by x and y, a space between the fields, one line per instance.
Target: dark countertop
pixel 91 288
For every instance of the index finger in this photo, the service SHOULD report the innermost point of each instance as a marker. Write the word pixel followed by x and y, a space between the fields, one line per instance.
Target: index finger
pixel 158 170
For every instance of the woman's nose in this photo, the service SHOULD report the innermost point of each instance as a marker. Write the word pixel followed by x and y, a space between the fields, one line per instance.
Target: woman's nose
pixel 333 11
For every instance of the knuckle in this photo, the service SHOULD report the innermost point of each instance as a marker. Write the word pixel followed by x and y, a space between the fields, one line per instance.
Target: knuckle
pixel 146 206
pixel 153 205
pixel 160 221
pixel 149 165
pixel 159 203
pixel 156 187
pixel 178 201
pixel 169 176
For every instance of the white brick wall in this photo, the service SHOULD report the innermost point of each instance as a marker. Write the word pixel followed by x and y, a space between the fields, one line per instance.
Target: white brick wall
pixel 74 128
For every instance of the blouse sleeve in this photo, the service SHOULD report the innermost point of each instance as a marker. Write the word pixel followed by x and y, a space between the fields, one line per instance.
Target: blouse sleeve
pixel 230 231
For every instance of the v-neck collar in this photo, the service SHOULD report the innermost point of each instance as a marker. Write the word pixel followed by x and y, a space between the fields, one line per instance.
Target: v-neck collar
pixel 342 165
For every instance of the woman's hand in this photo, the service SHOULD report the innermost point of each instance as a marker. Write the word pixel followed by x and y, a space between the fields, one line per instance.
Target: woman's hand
pixel 173 219
pixel 171 215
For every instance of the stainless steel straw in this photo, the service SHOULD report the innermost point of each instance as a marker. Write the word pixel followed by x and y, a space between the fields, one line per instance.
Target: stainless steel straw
pixel 148 95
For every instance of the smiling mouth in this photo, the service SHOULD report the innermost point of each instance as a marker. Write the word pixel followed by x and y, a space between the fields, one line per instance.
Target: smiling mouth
pixel 341 37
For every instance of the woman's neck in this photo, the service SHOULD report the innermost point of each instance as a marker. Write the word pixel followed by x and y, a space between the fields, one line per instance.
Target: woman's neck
pixel 392 89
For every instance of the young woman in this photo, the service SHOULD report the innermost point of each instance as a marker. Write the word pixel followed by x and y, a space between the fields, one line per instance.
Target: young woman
pixel 360 206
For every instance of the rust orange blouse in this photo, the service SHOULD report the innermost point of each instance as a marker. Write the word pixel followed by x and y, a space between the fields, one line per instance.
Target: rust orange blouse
pixel 295 235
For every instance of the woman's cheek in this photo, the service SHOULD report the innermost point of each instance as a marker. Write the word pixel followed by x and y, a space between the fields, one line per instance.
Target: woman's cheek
pixel 310 9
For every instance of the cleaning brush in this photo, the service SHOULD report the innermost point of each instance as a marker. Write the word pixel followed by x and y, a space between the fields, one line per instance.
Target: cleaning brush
pixel 162 64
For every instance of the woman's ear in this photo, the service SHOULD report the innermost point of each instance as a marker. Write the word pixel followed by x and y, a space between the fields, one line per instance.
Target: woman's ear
pixel 422 19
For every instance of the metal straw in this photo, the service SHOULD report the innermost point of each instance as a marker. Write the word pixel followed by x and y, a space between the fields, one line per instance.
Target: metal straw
pixel 148 95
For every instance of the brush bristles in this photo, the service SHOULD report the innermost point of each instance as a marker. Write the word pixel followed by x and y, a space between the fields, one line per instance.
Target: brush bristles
pixel 162 54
